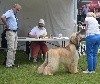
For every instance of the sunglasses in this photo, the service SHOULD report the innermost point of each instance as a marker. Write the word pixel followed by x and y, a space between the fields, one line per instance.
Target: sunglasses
pixel 18 9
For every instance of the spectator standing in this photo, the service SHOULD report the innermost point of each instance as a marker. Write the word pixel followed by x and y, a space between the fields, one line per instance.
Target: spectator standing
pixel 10 20
pixel 92 41
pixel 85 11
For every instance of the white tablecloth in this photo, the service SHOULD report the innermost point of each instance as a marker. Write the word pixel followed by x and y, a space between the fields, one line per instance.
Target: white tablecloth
pixel 45 39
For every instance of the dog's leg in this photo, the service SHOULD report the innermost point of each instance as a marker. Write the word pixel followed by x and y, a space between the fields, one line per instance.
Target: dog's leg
pixel 41 68
pixel 73 68
pixel 74 63
pixel 53 65
pixel 66 68
pixel 48 70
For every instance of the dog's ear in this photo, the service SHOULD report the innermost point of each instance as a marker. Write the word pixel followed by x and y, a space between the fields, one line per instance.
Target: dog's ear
pixel 82 31
pixel 75 38
pixel 80 36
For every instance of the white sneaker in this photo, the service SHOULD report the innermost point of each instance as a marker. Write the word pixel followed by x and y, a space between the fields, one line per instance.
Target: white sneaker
pixel 93 71
pixel 87 71
pixel 8 66
pixel 35 60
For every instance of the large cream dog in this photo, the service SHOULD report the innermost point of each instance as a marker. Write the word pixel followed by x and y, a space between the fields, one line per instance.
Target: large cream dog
pixel 68 56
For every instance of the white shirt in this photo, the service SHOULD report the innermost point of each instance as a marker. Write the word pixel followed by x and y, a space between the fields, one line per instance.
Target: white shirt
pixel 11 20
pixel 37 31
pixel 93 26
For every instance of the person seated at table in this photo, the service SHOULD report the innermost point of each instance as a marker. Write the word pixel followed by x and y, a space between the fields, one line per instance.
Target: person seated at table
pixel 38 32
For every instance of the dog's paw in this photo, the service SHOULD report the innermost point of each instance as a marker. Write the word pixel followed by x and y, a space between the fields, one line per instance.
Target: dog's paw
pixel 50 74
pixel 39 70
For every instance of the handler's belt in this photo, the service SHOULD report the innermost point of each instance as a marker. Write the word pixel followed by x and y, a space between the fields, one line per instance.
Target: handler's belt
pixel 11 30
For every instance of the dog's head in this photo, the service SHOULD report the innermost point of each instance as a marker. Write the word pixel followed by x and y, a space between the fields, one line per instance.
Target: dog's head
pixel 75 39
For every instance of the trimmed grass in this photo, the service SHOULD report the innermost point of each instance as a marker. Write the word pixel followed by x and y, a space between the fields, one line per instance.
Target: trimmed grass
pixel 26 73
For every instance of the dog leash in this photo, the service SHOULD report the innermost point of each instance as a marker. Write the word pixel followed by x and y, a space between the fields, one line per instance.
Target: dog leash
pixel 53 44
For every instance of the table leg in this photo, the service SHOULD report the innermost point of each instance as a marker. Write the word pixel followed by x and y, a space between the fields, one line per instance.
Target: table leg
pixel 63 43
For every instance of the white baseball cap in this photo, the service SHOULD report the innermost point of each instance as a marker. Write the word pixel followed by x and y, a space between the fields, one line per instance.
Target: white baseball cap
pixel 42 21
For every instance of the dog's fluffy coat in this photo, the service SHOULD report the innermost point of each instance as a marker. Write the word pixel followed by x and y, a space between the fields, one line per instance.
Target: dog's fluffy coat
pixel 68 56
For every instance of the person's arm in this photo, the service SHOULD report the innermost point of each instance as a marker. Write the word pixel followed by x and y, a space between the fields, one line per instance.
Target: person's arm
pixel 86 24
pixel 3 19
pixel 88 9
pixel 83 31
pixel 33 34
pixel 83 11
pixel 45 32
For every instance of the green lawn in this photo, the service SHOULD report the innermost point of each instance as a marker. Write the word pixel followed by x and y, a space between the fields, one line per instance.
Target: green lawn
pixel 26 73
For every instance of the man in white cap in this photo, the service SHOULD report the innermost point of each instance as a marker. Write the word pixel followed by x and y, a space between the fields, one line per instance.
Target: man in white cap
pixel 36 46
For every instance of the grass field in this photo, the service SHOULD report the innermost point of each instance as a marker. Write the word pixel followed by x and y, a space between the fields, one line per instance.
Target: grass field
pixel 26 73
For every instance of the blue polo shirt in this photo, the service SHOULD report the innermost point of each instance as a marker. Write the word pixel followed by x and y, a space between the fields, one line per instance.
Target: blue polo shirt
pixel 11 20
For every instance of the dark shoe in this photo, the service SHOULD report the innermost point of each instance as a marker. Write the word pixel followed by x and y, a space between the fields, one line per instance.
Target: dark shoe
pixel 15 65
pixel 35 60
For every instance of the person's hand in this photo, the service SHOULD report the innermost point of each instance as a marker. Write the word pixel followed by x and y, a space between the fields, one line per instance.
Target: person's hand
pixel 7 27
pixel 35 36
pixel 83 32
pixel 41 36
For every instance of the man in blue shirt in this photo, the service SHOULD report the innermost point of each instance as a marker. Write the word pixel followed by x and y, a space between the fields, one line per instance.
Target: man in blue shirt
pixel 85 11
pixel 10 21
